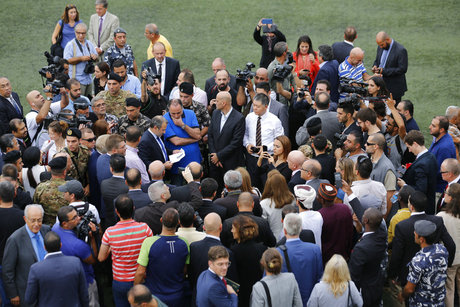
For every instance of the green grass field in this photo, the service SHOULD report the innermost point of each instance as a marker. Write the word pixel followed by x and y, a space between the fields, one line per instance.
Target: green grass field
pixel 202 30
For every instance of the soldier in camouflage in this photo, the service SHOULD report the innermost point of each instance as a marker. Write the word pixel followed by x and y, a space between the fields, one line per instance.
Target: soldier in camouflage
pixel 47 194
pixel 115 97
pixel 121 50
pixel 202 114
pixel 79 156
pixel 133 117
pixel 313 129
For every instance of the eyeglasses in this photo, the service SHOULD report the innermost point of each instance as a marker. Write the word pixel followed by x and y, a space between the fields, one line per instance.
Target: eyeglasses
pixel 99 105
pixel 370 144
pixel 90 140
pixel 33 221
pixel 222 264
pixel 444 172
pixel 80 33
pixel 305 170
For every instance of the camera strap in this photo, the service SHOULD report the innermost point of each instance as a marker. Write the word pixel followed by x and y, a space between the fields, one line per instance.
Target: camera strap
pixel 39 128
pixel 286 257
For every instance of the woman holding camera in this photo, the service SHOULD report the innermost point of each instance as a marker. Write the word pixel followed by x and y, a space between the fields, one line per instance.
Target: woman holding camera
pixel 101 73
pixel 282 287
pixel 69 19
pixel 266 162
pixel 306 60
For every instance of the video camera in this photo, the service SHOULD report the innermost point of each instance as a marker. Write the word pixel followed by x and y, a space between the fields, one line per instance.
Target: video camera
pixel 353 99
pixel 306 81
pixel 340 139
pixel 55 86
pixel 242 76
pixel 346 86
pixel 83 229
pixel 151 76
pixel 53 67
pixel 73 120
pixel 282 71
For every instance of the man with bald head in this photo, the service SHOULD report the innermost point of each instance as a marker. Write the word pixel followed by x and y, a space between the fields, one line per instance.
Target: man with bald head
pixel 153 35
pixel 353 67
pixel 10 106
pixel 391 62
pixel 246 94
pixel 295 160
pixel 218 64
pixel 225 138
pixel 310 171
pixel 166 67
pixel 191 191
pixel 222 84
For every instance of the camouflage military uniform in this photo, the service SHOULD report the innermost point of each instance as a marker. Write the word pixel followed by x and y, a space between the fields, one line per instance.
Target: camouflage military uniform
pixel 309 152
pixel 126 54
pixel 124 122
pixel 47 195
pixel 116 104
pixel 202 114
pixel 80 160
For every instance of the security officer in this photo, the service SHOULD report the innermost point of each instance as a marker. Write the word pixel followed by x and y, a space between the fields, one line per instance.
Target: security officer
pixel 133 117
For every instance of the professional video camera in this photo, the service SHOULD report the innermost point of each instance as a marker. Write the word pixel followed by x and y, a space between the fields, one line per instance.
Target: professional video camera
pixel 55 86
pixel 73 120
pixel 353 99
pixel 242 76
pixel 340 139
pixel 83 229
pixel 282 71
pixel 352 86
pixel 151 76
pixel 53 66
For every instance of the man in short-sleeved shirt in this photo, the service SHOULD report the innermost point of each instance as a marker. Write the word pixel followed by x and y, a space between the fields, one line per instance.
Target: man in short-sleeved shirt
pixel 163 258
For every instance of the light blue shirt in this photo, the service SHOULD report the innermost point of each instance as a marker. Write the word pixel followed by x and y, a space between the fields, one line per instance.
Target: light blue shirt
pixel 71 50
pixel 132 84
pixel 384 57
pixel 34 243
pixel 70 105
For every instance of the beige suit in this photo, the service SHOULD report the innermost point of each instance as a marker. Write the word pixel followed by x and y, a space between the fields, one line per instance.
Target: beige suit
pixel 109 25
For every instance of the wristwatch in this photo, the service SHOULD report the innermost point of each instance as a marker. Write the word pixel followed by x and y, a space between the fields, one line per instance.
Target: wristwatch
pixel 183 127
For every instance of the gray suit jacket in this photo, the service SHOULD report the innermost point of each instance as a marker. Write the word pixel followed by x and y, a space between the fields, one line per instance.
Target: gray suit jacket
pixel 109 25
pixel 329 126
pixel 18 257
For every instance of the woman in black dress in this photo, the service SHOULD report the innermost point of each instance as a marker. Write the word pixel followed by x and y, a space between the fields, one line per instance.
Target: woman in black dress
pixel 266 162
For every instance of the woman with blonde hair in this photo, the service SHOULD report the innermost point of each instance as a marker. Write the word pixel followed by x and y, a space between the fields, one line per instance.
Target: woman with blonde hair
pixel 247 184
pixel 280 288
pixel 276 195
pixel 345 167
pixel 336 287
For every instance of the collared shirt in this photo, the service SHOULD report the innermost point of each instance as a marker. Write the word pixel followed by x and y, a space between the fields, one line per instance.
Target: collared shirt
pixel 126 54
pixel 224 118
pixel 350 43
pixel 32 239
pixel 160 142
pixel 371 194
pixel 454 181
pixel 384 56
pixel 212 237
pixel 271 128
pixel 77 70
pixel 421 153
pixel 366 233
pixel 198 95
pixel 163 73
pixel 346 70
pixel 401 215
pixel 133 161
pixel 417 213
pixel 54 253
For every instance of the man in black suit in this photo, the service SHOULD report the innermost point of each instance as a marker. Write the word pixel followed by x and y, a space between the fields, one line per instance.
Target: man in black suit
pixel 366 258
pixel 342 49
pixel 112 187
pixel 152 147
pixel 133 181
pixel 10 106
pixel 391 62
pixel 167 68
pixel 208 190
pixel 245 207
pixel 310 172
pixel 329 71
pixel 199 250
pixel 404 246
pixel 20 254
pixel 327 161
pixel 219 64
pixel 233 182
pixel 225 138
pixel 421 175
pixel 157 172
pixel 295 160
pixel 19 130
pixel 159 195
pixel 190 192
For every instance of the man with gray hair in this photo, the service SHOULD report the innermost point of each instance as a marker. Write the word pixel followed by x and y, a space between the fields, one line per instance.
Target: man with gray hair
pixel 159 195
pixel 80 52
pixel 450 171
pixel 23 248
pixel 301 258
pixel 102 25
pixel 99 109
pixel 153 35
pixel 233 182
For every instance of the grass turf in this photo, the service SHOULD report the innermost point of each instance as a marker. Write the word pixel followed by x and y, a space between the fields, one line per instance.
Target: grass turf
pixel 199 31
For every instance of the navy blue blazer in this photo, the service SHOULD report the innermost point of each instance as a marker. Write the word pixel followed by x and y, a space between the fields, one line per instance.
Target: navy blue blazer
pixel 149 150
pixel 94 188
pixel 103 168
pixel 145 186
pixel 329 72
pixel 211 291
pixel 172 72
pixel 140 198
pixel 394 73
pixel 58 280
pixel 341 50
pixel 8 112
pixel 295 180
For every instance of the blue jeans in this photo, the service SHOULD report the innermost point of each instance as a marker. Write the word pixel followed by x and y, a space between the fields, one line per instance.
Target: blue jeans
pixel 5 301
pixel 120 292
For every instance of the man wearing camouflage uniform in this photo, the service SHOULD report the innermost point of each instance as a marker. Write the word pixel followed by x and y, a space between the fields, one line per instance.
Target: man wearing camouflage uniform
pixel 115 97
pixel 133 117
pixel 121 50
pixel 47 194
pixel 79 156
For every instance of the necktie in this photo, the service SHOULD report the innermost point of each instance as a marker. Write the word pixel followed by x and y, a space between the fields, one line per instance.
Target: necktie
pixel 258 133
pixel 40 248
pixel 163 149
pixel 15 105
pixel 225 282
pixel 99 33
pixel 383 59
pixel 269 41
pixel 160 70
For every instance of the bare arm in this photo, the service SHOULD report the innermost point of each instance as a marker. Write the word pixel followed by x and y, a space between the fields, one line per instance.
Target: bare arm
pixel 178 141
pixel 136 73
pixel 193 132
pixel 55 34
pixel 140 273
pixel 104 252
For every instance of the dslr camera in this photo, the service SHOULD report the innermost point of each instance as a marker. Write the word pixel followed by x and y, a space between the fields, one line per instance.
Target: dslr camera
pixel 242 76
pixel 83 229
pixel 340 139
pixel 282 71
pixel 89 67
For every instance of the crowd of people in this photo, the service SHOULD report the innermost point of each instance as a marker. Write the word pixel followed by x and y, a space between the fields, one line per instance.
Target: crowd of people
pixel 304 183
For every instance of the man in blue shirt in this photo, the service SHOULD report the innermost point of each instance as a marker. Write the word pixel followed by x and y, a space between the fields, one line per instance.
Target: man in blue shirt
pixel 182 132
pixel 73 246
pixel 128 82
